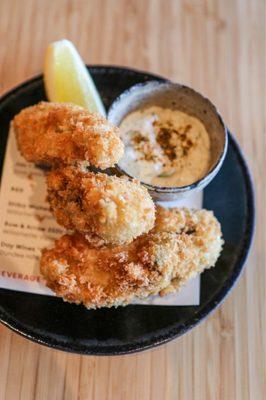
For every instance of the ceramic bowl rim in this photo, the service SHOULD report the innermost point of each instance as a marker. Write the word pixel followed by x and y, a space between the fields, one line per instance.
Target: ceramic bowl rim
pixel 200 183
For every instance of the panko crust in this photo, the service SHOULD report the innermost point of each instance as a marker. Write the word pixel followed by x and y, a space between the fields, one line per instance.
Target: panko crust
pixel 108 277
pixel 107 209
pixel 182 244
pixel 199 238
pixel 56 133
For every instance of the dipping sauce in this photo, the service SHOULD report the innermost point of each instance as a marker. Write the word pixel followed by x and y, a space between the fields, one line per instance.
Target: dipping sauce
pixel 164 147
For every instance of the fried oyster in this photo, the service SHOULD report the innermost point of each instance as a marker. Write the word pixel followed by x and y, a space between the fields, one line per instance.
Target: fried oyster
pixel 182 244
pixel 107 209
pixel 63 133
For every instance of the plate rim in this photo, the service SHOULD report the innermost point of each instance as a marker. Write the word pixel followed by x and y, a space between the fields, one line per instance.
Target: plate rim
pixel 145 344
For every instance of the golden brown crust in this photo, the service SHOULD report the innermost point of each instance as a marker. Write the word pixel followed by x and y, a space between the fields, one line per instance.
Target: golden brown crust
pixel 183 243
pixel 56 133
pixel 108 277
pixel 199 239
pixel 107 209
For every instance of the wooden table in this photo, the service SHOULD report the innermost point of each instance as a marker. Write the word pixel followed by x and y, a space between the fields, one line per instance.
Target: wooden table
pixel 217 47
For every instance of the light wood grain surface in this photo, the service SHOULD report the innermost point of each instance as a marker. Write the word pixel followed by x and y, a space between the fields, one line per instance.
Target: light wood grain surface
pixel 217 47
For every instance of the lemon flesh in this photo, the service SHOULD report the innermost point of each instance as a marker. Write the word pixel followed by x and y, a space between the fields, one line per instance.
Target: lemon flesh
pixel 67 79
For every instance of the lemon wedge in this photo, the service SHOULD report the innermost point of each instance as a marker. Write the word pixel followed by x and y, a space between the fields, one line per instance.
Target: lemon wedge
pixel 67 79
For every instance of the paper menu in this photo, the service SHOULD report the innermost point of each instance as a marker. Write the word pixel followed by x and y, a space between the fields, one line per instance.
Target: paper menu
pixel 27 226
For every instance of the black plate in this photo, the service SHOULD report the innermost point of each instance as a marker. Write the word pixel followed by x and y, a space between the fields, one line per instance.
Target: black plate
pixel 50 321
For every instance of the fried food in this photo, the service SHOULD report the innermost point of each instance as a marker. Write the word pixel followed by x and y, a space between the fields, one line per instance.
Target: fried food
pixel 107 209
pixel 183 243
pixel 199 242
pixel 108 277
pixel 63 133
